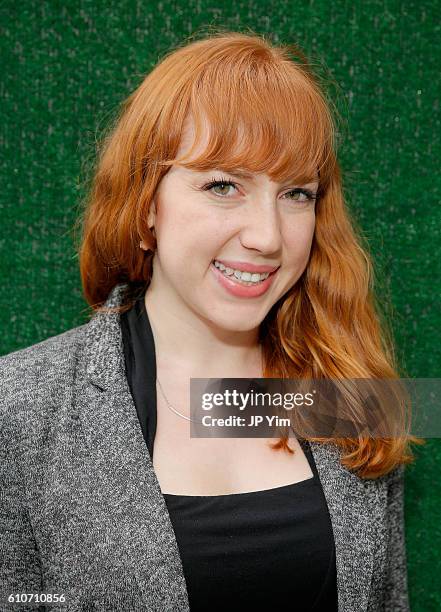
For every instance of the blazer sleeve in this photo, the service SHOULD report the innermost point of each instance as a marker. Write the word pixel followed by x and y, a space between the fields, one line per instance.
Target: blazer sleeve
pixel 20 570
pixel 396 597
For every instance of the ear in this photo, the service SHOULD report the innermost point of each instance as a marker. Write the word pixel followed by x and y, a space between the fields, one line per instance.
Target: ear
pixel 151 218
pixel 152 214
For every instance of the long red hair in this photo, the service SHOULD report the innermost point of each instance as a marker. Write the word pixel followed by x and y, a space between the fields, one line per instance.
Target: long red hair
pixel 328 324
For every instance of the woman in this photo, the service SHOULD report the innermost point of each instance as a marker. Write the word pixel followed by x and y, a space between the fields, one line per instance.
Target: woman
pixel 222 163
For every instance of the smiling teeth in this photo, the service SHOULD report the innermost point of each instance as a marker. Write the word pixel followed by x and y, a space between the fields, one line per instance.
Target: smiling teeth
pixel 241 276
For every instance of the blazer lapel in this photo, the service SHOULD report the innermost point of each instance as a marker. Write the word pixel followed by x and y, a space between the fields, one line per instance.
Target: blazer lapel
pixel 144 538
pixel 356 516
pixel 127 497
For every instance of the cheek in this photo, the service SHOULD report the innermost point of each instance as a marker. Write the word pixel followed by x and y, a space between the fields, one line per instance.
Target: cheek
pixel 173 231
pixel 186 246
pixel 298 242
pixel 201 237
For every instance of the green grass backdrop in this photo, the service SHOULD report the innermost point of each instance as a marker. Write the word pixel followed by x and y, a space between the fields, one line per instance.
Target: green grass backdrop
pixel 66 68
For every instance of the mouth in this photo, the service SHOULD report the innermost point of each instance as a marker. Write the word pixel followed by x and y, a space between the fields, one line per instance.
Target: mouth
pixel 237 287
pixel 251 279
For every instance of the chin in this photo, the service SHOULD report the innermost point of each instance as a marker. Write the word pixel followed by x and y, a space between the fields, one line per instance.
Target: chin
pixel 239 323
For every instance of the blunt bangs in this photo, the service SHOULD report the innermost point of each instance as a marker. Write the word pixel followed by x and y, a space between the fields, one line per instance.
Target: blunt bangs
pixel 261 116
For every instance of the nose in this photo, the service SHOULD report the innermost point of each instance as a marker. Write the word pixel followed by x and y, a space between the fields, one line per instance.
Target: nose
pixel 261 229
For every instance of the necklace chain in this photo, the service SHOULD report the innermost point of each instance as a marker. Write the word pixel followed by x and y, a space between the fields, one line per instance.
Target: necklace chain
pixel 174 409
pixel 179 413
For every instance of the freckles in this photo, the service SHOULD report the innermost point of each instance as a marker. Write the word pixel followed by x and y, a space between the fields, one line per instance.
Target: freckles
pixel 299 235
pixel 297 238
pixel 177 223
pixel 298 249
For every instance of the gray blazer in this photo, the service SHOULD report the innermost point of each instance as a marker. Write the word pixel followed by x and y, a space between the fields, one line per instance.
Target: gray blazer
pixel 81 510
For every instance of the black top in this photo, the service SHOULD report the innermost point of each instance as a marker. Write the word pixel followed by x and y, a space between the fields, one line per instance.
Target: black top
pixel 259 550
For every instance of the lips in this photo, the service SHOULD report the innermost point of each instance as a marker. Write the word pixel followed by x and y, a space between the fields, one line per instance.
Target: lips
pixel 238 289
pixel 244 266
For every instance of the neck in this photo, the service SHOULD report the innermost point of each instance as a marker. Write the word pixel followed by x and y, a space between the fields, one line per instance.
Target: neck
pixel 195 347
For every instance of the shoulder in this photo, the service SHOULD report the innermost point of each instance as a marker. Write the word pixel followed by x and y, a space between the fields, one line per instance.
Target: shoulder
pixel 36 372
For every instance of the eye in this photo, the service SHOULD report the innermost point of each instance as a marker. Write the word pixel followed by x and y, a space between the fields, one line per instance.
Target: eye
pixel 309 195
pixel 222 182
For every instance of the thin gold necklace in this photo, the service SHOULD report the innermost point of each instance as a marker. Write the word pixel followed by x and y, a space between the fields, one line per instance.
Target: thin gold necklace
pixel 174 409
pixel 183 415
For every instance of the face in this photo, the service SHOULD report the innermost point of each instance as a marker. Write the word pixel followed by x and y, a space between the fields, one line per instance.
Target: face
pixel 251 222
